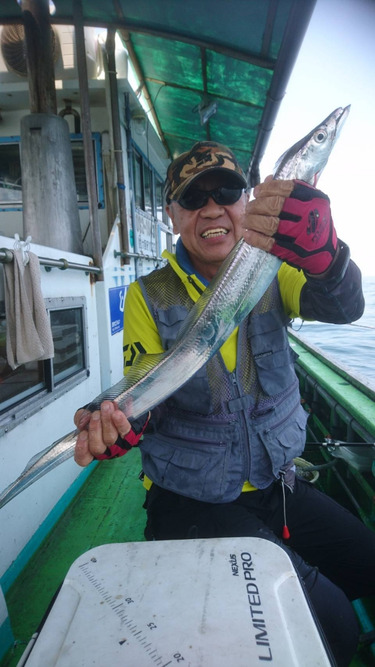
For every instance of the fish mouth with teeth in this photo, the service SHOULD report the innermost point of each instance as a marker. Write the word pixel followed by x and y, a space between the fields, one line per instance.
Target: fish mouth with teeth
pixel 218 231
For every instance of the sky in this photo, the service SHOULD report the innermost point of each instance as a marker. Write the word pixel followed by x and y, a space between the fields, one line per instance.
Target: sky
pixel 336 67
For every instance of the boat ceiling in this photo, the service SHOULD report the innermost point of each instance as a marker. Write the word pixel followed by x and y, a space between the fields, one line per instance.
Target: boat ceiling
pixel 234 54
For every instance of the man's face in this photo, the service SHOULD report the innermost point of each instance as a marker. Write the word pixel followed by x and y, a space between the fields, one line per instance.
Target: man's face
pixel 208 233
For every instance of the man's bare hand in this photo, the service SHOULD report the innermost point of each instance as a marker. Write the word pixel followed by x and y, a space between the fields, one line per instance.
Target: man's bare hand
pixel 98 430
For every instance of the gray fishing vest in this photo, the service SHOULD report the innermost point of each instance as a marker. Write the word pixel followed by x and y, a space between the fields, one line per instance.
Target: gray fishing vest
pixel 221 428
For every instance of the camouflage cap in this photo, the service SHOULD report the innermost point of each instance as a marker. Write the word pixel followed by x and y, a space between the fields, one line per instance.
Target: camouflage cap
pixel 203 156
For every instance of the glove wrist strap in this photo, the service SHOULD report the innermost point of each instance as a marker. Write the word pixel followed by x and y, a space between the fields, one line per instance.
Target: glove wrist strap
pixel 123 445
pixel 328 280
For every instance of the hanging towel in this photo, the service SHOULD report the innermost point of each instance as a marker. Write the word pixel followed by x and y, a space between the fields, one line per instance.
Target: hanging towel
pixel 29 335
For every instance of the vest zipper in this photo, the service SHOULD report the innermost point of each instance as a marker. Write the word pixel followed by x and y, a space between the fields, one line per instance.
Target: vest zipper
pixel 194 284
pixel 246 450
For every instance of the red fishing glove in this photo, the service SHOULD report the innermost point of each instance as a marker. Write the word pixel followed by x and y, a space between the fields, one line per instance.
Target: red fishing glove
pixel 306 237
pixel 131 439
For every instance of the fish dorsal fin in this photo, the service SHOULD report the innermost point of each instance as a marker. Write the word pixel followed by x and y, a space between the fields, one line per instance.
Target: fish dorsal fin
pixel 36 458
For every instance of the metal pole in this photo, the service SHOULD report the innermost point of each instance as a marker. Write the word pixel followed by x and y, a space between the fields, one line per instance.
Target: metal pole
pixel 129 149
pixel 6 257
pixel 117 143
pixel 87 137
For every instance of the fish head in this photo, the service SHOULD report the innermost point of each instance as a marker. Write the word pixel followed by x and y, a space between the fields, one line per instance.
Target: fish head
pixel 322 141
pixel 307 158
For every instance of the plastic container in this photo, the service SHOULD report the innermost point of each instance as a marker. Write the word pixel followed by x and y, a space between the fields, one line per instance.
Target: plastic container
pixel 302 470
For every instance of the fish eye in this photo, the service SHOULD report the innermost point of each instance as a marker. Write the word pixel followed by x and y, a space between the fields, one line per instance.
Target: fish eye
pixel 320 136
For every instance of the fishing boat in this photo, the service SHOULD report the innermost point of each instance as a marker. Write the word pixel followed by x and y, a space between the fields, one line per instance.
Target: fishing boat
pixel 95 100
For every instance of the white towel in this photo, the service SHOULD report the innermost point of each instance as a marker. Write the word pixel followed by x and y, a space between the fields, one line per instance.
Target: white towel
pixel 29 335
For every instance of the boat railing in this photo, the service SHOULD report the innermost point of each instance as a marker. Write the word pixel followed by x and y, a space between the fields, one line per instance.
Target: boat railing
pixel 6 257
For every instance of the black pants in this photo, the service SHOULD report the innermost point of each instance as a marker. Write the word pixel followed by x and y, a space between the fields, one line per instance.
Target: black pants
pixel 332 551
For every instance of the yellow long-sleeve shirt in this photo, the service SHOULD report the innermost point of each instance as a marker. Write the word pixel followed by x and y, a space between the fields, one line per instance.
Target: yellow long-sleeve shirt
pixel 140 330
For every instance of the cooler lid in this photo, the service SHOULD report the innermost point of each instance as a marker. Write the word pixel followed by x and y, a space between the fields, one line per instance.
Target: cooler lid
pixel 228 601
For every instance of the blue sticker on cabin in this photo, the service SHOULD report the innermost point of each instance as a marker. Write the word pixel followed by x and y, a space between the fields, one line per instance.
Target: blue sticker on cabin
pixel 116 307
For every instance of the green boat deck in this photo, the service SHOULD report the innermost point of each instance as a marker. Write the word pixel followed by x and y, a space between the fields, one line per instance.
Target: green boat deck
pixel 107 509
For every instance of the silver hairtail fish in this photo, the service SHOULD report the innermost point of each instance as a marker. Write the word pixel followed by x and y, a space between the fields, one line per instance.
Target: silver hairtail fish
pixel 237 287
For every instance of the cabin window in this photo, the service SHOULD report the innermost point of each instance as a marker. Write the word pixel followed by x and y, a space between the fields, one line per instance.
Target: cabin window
pixel 159 199
pixel 148 197
pixel 79 170
pixel 68 339
pixel 147 178
pixel 138 181
pixel 147 186
pixel 30 385
pixel 10 172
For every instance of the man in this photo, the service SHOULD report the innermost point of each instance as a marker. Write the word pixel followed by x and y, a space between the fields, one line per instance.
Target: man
pixel 218 454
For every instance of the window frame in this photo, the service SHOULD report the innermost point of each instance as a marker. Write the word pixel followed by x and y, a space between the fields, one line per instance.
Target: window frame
pixel 74 138
pixel 22 409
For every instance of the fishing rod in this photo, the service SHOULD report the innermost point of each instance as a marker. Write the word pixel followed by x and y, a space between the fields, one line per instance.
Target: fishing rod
pixel 331 445
pixel 348 324
pixel 330 442
pixel 362 326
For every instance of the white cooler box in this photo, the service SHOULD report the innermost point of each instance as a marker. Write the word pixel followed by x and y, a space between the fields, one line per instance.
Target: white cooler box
pixel 209 603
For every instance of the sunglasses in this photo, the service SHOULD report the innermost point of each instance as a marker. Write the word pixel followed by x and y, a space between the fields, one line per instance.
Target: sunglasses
pixel 194 198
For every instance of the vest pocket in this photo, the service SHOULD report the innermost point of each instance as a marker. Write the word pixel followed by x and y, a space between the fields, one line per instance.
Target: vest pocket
pixel 197 468
pixel 285 439
pixel 272 354
pixel 275 371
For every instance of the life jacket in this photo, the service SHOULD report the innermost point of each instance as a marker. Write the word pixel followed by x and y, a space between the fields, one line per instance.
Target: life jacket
pixel 221 428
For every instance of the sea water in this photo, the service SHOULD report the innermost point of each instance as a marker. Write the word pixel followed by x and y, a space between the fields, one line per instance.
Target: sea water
pixel 351 345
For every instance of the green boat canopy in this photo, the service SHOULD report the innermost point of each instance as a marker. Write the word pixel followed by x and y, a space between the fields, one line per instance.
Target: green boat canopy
pixel 211 69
